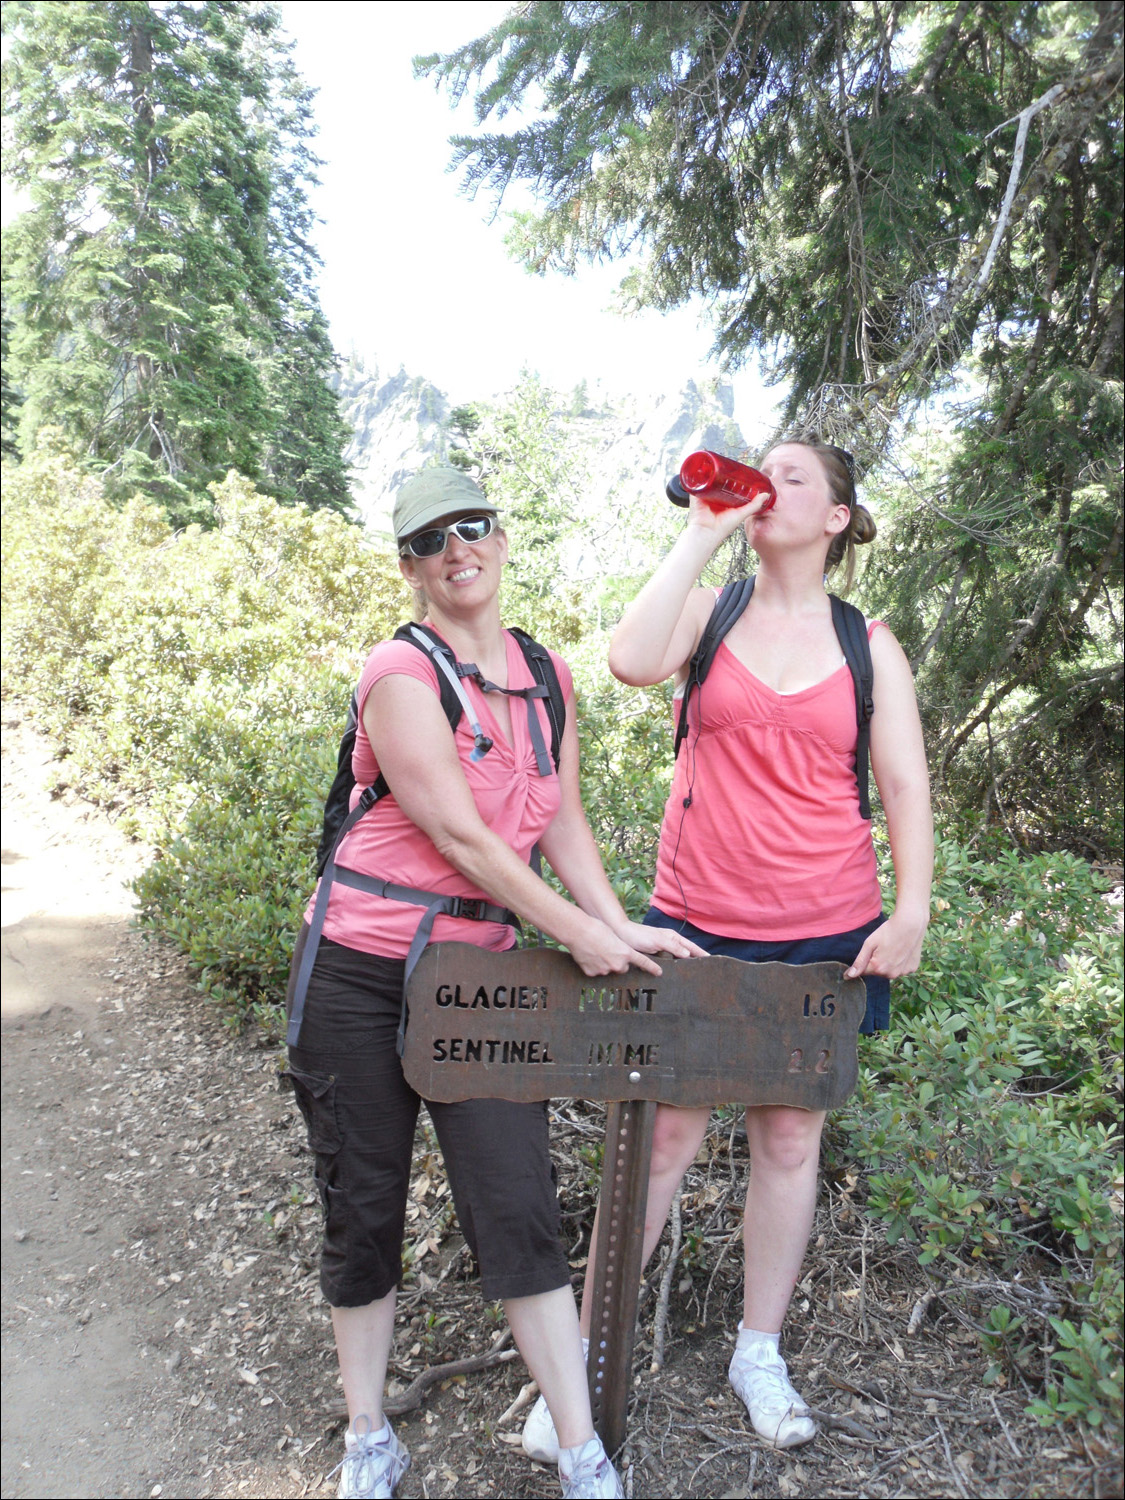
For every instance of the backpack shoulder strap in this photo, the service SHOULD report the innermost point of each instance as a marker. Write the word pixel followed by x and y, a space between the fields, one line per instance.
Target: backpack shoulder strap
pixel 542 668
pixel 727 608
pixel 336 804
pixel 851 632
pixel 422 638
pixel 454 699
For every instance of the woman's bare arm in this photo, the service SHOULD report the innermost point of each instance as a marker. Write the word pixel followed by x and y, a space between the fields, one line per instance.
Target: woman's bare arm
pixel 898 759
pixel 661 628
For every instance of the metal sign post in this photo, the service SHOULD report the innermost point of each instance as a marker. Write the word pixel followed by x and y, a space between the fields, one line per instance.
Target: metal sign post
pixel 527 1024
pixel 618 1265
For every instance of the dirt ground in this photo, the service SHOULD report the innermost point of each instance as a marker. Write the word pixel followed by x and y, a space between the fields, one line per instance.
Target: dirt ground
pixel 163 1328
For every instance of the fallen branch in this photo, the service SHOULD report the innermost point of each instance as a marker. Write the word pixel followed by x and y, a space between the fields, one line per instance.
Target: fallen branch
pixel 411 1398
pixel 953 1469
pixel 920 1309
pixel 845 1424
pixel 527 1395
pixel 1016 1454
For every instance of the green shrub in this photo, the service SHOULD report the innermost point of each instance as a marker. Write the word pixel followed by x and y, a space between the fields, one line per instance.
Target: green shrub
pixel 987 1121
pixel 196 682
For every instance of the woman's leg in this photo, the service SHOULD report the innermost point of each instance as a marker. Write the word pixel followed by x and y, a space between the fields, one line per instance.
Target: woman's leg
pixel 784 1163
pixel 545 1328
pixel 360 1114
pixel 497 1159
pixel 784 1156
pixel 676 1138
pixel 363 1346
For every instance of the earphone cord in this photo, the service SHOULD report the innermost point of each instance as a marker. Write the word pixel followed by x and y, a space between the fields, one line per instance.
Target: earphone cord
pixel 690 749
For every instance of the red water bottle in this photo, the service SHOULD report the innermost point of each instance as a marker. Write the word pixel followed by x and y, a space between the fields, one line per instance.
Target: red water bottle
pixel 719 481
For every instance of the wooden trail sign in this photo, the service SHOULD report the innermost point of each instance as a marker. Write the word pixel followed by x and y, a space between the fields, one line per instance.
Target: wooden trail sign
pixel 527 1024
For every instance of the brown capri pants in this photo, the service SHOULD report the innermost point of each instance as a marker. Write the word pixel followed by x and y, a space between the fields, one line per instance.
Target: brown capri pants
pixel 361 1116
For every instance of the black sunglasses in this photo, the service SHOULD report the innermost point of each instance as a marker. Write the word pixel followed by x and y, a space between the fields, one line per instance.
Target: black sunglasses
pixel 846 459
pixel 432 543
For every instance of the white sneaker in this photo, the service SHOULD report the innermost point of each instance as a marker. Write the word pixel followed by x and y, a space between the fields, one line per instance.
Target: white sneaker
pixel 760 1379
pixel 588 1474
pixel 370 1470
pixel 540 1440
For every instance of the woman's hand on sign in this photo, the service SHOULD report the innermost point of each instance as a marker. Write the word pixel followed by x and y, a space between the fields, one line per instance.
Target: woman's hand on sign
pixel 602 949
pixel 659 940
pixel 597 949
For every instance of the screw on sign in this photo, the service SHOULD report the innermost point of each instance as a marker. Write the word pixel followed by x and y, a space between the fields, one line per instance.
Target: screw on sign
pixel 528 1024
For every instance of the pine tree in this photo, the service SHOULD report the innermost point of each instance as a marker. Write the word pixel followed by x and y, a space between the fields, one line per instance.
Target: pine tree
pixel 895 203
pixel 9 398
pixel 161 284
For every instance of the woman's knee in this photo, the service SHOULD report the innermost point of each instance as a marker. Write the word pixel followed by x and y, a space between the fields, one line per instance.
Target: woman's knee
pixel 676 1138
pixel 782 1139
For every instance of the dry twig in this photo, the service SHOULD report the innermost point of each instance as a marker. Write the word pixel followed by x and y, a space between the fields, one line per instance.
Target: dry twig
pixel 661 1321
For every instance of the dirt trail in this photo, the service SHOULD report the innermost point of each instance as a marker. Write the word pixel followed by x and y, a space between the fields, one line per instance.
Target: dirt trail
pixel 129 1364
pixel 72 1364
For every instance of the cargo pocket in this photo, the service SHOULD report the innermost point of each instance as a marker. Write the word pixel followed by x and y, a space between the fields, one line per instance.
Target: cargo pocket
pixel 316 1099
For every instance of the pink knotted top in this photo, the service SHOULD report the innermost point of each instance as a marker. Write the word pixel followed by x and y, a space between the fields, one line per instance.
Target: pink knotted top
pixel 512 798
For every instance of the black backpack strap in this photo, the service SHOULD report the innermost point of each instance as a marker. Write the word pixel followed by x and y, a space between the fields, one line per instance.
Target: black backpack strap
pixel 727 608
pixel 851 632
pixel 336 803
pixel 425 639
pixel 339 795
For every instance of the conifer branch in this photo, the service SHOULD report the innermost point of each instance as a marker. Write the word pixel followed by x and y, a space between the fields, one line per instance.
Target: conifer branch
pixel 1109 556
pixel 944 47
pixel 1025 118
pixel 938 631
pixel 1091 89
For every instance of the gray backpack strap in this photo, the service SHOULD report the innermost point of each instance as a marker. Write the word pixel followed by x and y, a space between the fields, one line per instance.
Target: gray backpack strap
pixel 441 659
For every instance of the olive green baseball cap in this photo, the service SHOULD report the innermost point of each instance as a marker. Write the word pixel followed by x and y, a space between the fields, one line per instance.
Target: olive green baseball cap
pixel 435 493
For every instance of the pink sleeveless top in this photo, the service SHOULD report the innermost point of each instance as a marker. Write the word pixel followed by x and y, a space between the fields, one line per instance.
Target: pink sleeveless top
pixel 513 799
pixel 772 846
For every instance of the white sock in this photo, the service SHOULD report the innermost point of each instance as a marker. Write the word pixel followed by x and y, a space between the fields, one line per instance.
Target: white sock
pixel 382 1436
pixel 748 1337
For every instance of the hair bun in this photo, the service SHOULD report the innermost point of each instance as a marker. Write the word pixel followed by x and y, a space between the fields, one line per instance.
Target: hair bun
pixel 862 528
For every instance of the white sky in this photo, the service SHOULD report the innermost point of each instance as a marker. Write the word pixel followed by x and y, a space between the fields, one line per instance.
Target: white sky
pixel 414 273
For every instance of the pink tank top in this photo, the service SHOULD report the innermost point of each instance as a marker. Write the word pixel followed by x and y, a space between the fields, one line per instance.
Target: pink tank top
pixel 512 798
pixel 772 846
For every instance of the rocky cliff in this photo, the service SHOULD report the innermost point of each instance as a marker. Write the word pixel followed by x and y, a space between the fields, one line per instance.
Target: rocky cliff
pixel 629 444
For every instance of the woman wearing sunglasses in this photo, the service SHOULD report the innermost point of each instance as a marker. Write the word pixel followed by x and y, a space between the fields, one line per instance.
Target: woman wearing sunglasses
pixel 764 855
pixel 465 809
